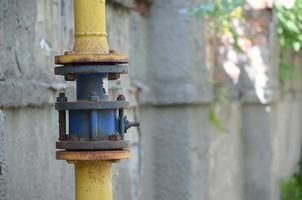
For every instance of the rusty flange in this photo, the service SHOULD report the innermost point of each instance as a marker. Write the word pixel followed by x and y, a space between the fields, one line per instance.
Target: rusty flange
pixel 92 145
pixel 92 69
pixel 92 155
pixel 73 58
pixel 91 105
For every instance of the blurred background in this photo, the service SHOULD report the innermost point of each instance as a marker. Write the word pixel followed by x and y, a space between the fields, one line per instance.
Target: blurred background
pixel 216 85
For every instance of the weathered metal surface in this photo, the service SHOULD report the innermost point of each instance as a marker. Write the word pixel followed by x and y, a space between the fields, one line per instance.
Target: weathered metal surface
pixel 94 124
pixel 93 180
pixel 92 105
pixel 104 124
pixel 74 58
pixel 92 155
pixel 92 117
pixel 92 69
pixel 92 145
pixel 90 27
pixel 72 77
pixel 88 84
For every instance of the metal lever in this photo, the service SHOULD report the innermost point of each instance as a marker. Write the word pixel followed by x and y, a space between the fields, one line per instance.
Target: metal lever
pixel 130 124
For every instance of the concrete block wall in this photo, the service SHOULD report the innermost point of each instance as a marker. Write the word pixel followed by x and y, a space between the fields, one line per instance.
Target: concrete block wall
pixel 171 73
pixel 177 153
pixel 184 155
pixel 31 34
pixel 264 102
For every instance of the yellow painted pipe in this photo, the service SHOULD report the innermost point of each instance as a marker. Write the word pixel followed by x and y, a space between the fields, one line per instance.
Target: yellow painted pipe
pixel 90 27
pixel 93 180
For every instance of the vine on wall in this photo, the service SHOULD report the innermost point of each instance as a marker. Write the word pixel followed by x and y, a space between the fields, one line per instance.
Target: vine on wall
pixel 292 188
pixel 289 31
pixel 219 15
pixel 290 38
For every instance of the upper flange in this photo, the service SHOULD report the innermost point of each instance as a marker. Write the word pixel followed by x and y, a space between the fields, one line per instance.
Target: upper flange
pixel 73 58
pixel 91 69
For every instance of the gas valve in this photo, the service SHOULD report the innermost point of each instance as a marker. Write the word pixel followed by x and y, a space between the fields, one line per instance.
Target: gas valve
pixel 95 121
pixel 96 124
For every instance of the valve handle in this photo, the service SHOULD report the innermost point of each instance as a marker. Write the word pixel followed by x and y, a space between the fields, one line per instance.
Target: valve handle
pixel 129 124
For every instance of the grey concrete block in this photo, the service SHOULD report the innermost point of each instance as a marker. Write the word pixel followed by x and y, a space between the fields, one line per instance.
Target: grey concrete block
pixel 22 93
pixel 125 3
pixel 226 167
pixel 31 170
pixel 175 159
pixel 175 71
pixel 259 133
pixel 3 185
pixel 31 34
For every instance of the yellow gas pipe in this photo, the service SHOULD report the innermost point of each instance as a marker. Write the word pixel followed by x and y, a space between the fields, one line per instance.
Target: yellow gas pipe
pixel 93 169
pixel 93 180
pixel 90 27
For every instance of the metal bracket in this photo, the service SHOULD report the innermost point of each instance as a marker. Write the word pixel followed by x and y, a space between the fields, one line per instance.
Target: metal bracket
pixel 91 105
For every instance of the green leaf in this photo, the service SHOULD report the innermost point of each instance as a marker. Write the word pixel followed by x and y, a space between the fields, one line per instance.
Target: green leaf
pixel 296 46
pixel 210 7
pixel 292 26
pixel 292 188
pixel 214 120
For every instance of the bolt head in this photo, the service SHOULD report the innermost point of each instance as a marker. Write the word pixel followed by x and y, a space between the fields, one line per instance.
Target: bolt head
pixel 121 98
pixel 61 94
pixel 62 97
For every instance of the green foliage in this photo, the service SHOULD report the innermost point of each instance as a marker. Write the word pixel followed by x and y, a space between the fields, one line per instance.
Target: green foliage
pixel 219 15
pixel 214 118
pixel 221 101
pixel 292 189
pixel 289 29
pixel 289 25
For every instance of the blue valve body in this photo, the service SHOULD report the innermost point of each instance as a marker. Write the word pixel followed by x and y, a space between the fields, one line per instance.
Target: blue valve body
pixel 92 124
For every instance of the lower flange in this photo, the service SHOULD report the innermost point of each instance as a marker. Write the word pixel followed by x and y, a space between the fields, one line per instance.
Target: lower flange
pixel 92 155
pixel 92 145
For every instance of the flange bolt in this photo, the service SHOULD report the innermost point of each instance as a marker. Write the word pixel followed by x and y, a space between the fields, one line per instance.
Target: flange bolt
pixel 121 98
pixel 62 97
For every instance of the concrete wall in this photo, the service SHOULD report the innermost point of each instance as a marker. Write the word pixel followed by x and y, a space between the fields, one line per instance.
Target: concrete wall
pixel 31 34
pixel 177 153
pixel 185 155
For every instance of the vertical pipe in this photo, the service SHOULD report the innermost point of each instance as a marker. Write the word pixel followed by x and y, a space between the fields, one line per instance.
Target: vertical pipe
pixel 90 27
pixel 122 123
pixel 93 180
pixel 94 124
pixel 90 83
